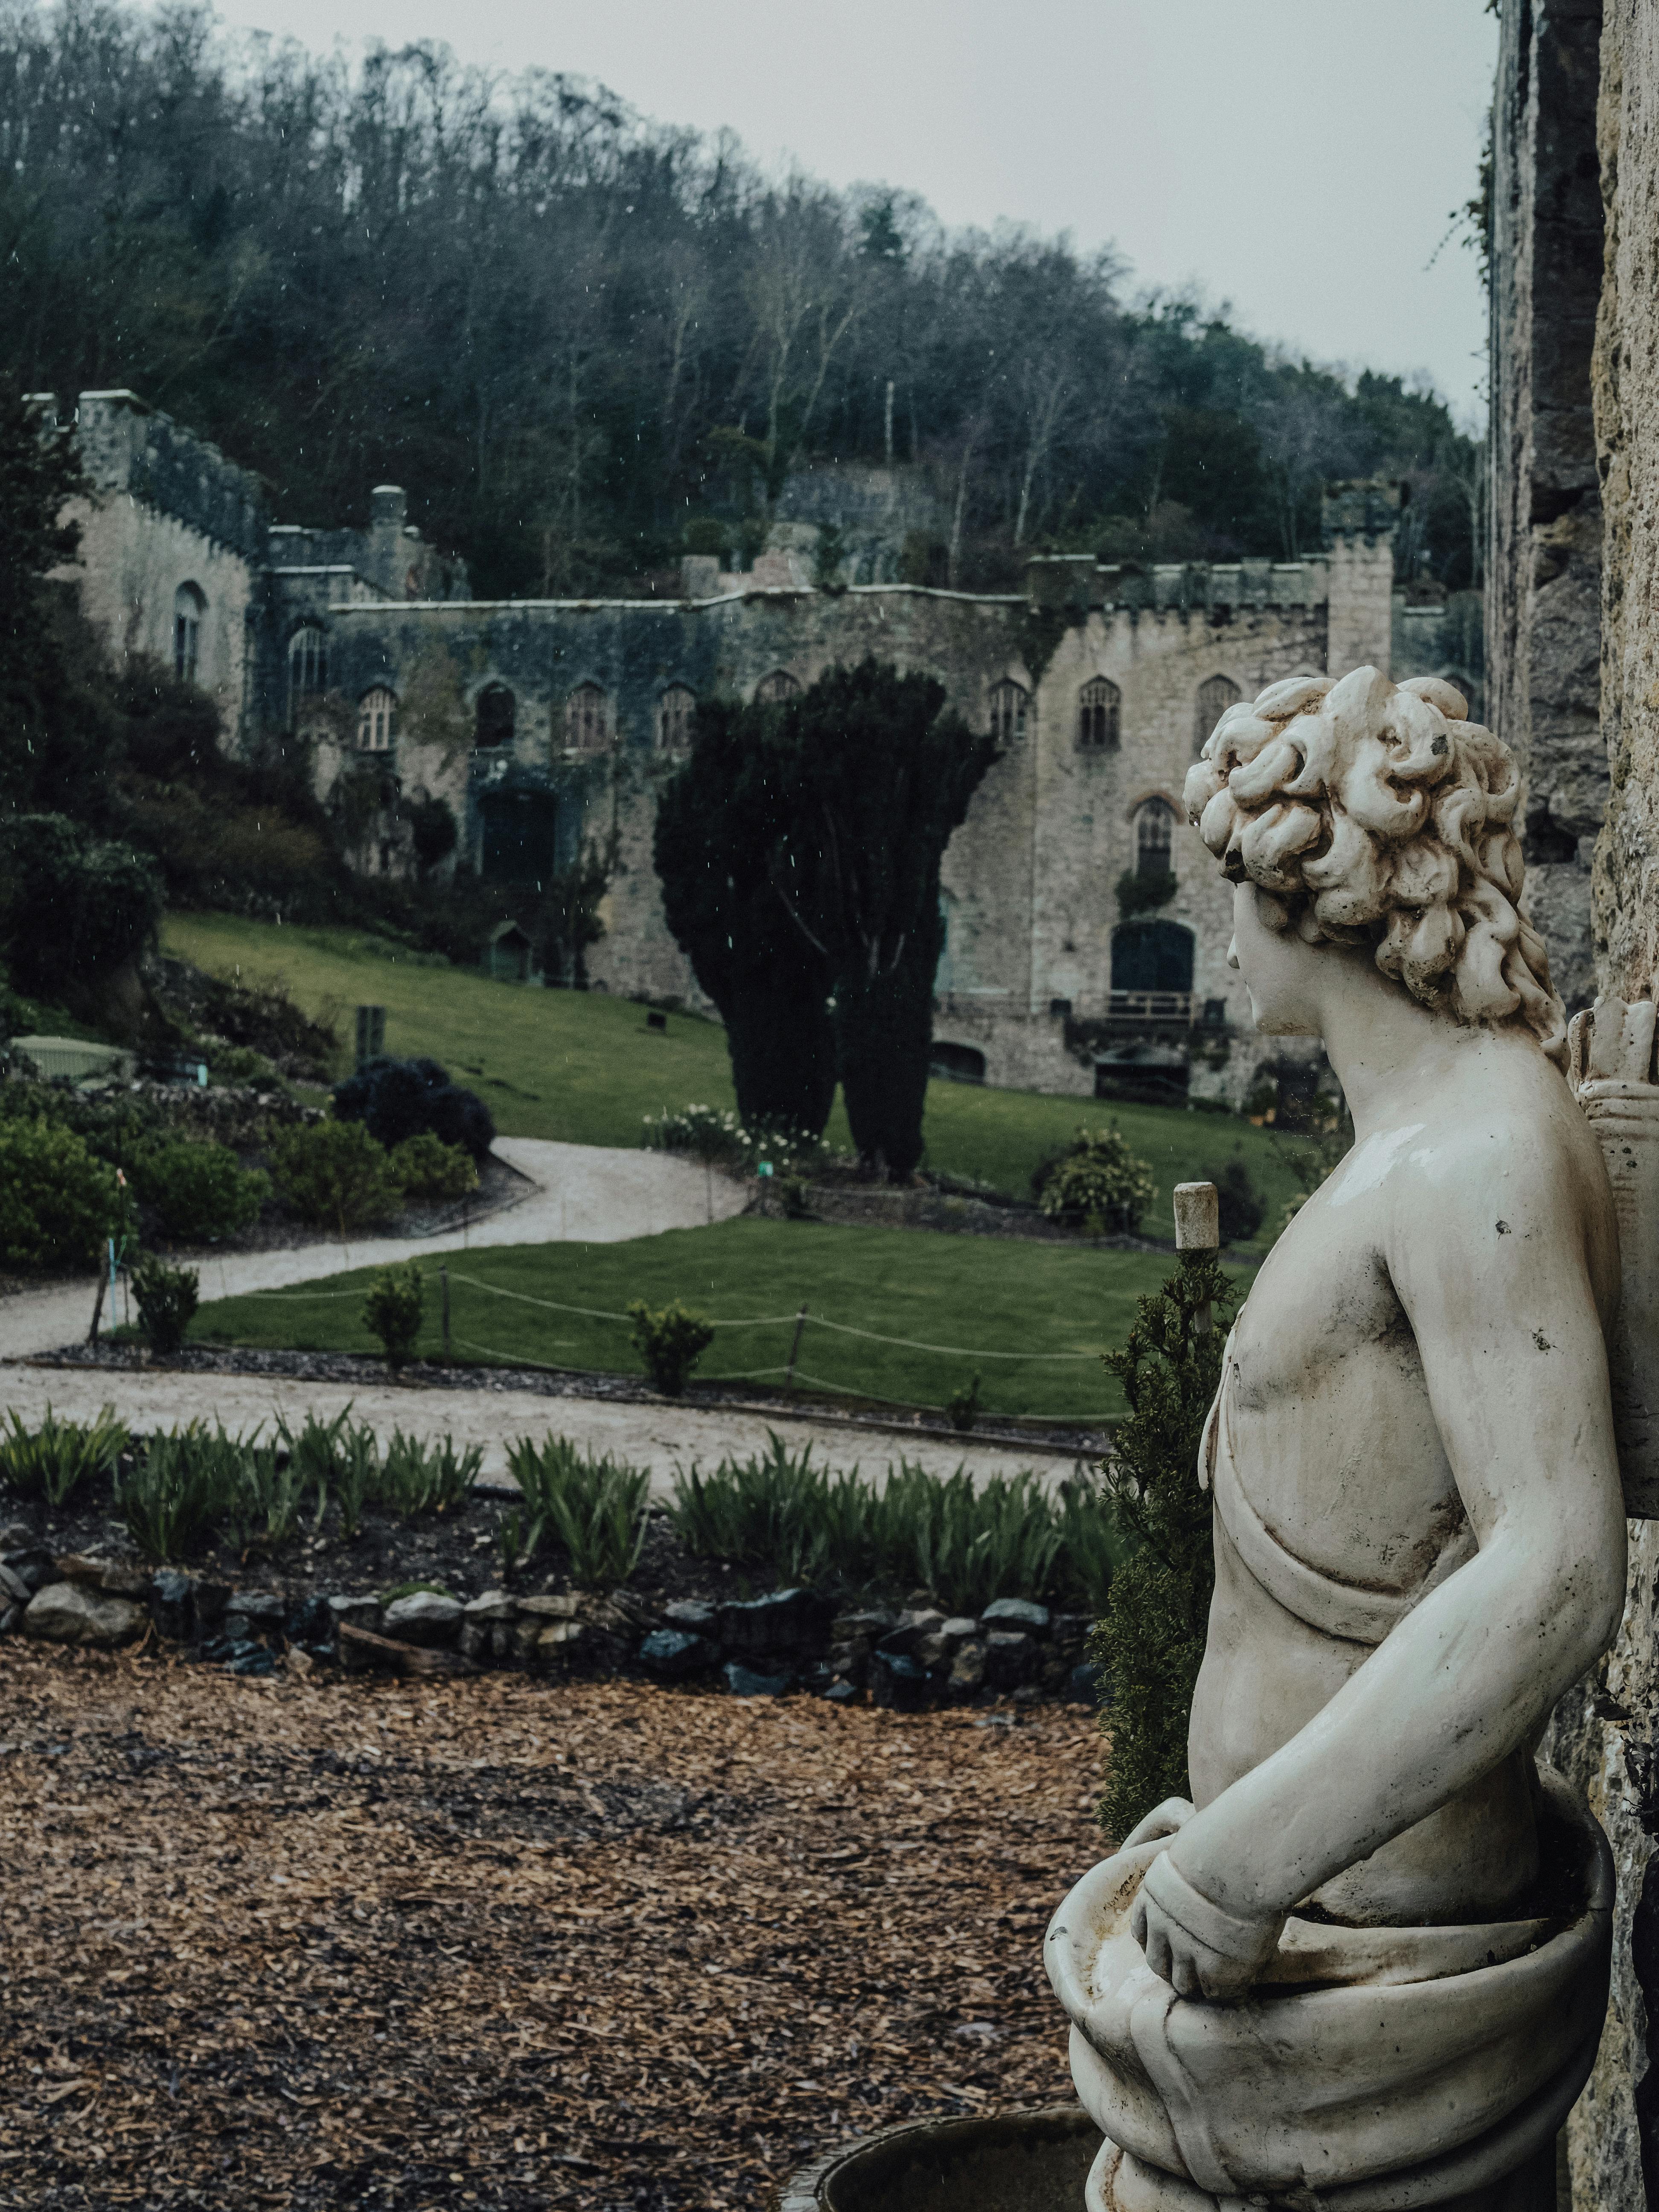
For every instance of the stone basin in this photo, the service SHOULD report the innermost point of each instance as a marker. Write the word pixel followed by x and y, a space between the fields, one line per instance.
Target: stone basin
pixel 1000 2162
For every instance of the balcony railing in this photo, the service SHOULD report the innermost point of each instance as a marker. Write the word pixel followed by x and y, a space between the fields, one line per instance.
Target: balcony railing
pixel 1151 1009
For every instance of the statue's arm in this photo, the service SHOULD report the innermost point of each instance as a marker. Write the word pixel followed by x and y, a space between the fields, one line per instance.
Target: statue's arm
pixel 1512 1350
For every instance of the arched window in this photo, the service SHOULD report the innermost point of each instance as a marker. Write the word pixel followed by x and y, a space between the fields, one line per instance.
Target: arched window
pixel 780 685
pixel 1215 694
pixel 674 711
pixel 189 606
pixel 587 719
pixel 377 720
pixel 1010 710
pixel 493 716
pixel 1154 837
pixel 1098 706
pixel 307 667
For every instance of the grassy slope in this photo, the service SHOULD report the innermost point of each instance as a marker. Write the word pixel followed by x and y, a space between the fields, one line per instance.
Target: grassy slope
pixel 972 1292
pixel 584 1067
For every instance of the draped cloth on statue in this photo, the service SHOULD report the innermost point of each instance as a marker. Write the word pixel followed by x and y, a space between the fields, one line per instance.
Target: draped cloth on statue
pixel 1369 2069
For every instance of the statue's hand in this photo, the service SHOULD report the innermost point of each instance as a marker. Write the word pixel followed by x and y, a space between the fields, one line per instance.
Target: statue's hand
pixel 1195 1946
pixel 1168 1818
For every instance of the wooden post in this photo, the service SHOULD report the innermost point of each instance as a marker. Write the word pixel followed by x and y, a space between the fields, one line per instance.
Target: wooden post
pixel 443 1278
pixel 97 1309
pixel 800 1323
pixel 1198 1232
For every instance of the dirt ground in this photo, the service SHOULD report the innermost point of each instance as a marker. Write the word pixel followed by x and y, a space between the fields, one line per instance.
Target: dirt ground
pixel 502 1942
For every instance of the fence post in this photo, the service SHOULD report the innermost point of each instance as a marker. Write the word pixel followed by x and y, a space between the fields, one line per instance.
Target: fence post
pixel 97 1309
pixel 1198 1233
pixel 443 1278
pixel 800 1323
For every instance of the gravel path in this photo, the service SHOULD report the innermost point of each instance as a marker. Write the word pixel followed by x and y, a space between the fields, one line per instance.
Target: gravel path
pixel 586 1194
pixel 656 1437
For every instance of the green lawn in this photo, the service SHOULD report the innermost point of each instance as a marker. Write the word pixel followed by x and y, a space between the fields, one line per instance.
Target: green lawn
pixel 977 1294
pixel 583 1068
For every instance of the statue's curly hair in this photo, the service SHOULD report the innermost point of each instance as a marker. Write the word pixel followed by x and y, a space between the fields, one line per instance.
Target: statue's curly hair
pixel 1379 815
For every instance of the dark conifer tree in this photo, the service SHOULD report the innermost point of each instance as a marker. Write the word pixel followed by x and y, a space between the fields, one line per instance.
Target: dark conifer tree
pixel 717 821
pixel 875 776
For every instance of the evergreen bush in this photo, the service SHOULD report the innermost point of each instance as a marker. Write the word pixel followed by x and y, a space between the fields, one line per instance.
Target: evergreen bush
pixel 1151 1641
pixel 671 1340
pixel 334 1175
pixel 395 1099
pixel 428 1168
pixel 166 1299
pixel 57 1203
pixel 392 1311
pixel 1097 1184
pixel 1242 1206
pixel 201 1192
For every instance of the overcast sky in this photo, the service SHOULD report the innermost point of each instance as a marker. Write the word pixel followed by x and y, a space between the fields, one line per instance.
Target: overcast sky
pixel 1299 159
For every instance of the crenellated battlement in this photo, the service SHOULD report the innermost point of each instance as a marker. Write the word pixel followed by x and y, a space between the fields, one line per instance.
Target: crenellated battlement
pixel 128 445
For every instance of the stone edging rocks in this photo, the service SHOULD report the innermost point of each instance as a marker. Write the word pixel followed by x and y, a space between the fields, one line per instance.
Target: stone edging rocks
pixel 787 1640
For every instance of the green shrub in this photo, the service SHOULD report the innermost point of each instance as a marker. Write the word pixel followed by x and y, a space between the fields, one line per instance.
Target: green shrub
pixel 592 1504
pixel 1241 1205
pixel 1097 1184
pixel 187 1482
pixel 671 1340
pixel 392 1308
pixel 335 1175
pixel 797 1195
pixel 968 1542
pixel 427 1168
pixel 1152 1640
pixel 57 1203
pixel 962 1407
pixel 53 1460
pixel 201 1191
pixel 419 1478
pixel 166 1299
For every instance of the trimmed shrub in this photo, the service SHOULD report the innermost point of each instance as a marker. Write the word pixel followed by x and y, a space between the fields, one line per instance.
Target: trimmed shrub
pixel 429 1168
pixel 392 1309
pixel 335 1175
pixel 201 1192
pixel 671 1340
pixel 57 1203
pixel 53 1460
pixel 1152 1640
pixel 395 1099
pixel 1097 1184
pixel 1241 1205
pixel 166 1298
pixel 961 1407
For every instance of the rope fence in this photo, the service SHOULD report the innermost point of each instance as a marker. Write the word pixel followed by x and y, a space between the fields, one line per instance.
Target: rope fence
pixel 802 1319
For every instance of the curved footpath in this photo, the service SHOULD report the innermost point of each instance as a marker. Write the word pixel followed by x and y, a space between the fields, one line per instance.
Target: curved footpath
pixel 583 1193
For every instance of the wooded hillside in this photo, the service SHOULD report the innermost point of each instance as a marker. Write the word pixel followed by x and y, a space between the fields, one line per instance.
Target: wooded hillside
pixel 577 335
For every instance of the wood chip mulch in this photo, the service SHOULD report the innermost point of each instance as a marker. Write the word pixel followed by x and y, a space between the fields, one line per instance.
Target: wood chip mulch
pixel 308 1943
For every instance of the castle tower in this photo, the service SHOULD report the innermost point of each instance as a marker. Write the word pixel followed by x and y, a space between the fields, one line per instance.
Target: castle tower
pixel 1358 522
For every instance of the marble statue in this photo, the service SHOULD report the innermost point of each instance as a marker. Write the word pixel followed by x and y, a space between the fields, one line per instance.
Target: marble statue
pixel 1366 1968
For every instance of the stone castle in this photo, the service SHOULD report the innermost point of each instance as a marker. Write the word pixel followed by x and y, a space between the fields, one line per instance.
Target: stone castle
pixel 540 722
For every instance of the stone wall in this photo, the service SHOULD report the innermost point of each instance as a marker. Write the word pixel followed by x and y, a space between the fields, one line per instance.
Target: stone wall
pixel 1543 603
pixel 1574 672
pixel 1028 880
